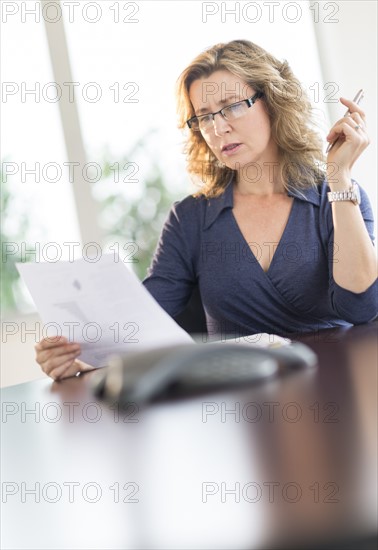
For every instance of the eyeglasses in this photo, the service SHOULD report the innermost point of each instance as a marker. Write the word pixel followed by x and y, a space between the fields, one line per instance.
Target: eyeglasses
pixel 231 112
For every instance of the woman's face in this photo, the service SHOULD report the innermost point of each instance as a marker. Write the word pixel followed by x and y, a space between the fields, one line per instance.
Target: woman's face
pixel 249 136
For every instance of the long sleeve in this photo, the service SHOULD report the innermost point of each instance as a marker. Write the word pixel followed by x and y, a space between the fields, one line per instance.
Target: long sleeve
pixel 171 275
pixel 355 308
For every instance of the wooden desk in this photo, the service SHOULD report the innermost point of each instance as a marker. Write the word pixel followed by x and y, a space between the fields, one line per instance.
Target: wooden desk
pixel 290 462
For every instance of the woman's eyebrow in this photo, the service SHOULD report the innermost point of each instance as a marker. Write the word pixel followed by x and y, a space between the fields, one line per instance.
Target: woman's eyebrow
pixel 230 99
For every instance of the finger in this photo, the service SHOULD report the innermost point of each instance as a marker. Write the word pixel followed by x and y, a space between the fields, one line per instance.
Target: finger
pixel 47 354
pixel 353 107
pixel 51 342
pixel 68 370
pixel 65 371
pixel 346 129
pixel 356 120
pixel 56 362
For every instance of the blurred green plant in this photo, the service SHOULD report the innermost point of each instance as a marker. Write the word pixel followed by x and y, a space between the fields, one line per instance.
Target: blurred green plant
pixel 10 294
pixel 134 220
pixel 133 208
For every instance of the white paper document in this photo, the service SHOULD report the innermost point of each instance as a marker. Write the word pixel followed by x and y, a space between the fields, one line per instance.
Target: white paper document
pixel 102 305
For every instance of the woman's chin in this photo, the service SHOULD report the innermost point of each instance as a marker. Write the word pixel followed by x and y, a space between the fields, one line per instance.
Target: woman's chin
pixel 249 166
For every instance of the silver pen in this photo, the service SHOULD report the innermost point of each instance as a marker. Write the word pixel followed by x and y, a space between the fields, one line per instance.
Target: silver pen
pixel 357 99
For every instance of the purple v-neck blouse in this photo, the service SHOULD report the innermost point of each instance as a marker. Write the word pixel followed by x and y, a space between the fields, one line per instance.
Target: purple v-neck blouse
pixel 201 243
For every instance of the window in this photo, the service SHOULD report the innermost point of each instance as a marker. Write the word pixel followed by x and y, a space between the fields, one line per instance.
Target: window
pixel 124 58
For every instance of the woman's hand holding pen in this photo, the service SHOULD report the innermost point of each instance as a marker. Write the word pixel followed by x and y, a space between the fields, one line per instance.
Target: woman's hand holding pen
pixel 349 138
pixel 355 268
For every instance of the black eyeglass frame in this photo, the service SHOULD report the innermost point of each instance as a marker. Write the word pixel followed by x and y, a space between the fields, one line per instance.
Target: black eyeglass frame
pixel 250 101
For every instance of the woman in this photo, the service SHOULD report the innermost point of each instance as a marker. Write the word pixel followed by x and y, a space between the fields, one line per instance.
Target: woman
pixel 274 244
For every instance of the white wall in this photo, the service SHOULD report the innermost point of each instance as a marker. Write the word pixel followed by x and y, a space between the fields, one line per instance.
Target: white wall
pixel 348 53
pixel 17 350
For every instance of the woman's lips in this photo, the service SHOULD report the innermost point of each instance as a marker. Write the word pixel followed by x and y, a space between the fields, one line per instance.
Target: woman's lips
pixel 231 148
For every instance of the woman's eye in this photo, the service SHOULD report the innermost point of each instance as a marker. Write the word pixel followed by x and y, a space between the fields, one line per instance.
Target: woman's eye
pixel 206 119
pixel 232 109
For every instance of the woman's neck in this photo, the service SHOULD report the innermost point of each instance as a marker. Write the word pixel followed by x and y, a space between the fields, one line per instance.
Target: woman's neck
pixel 262 179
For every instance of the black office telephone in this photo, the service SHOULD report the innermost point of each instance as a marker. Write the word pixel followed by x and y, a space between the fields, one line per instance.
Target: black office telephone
pixel 142 377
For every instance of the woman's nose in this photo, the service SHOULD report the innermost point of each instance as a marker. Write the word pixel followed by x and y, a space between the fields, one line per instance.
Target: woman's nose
pixel 221 125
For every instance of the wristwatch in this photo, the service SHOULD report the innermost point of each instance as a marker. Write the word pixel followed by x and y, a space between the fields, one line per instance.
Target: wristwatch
pixel 351 194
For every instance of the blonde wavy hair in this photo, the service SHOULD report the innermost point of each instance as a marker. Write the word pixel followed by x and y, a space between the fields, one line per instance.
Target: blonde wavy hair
pixel 289 109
